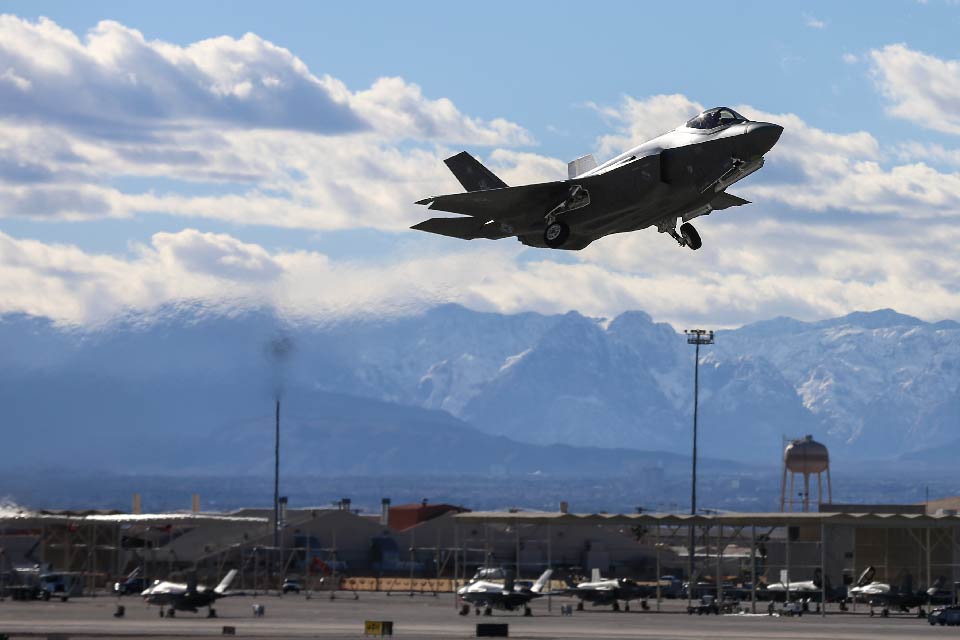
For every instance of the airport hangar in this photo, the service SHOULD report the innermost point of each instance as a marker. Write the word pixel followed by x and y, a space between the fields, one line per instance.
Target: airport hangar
pixel 438 544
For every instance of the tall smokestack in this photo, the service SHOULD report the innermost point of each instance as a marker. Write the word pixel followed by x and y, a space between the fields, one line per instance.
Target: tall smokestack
pixel 385 512
pixel 195 508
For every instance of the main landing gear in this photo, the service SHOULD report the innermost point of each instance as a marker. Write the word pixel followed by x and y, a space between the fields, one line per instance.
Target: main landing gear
pixel 557 232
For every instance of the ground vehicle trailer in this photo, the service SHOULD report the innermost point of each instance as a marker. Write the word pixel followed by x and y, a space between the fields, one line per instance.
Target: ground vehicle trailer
pixel 945 616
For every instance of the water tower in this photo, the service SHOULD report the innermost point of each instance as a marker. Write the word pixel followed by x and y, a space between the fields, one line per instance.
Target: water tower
pixel 808 457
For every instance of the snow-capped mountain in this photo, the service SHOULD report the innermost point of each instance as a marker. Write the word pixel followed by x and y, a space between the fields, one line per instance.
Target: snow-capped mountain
pixel 869 385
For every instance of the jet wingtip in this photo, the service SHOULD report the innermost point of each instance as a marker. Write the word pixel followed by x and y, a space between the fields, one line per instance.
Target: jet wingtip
pixel 425 201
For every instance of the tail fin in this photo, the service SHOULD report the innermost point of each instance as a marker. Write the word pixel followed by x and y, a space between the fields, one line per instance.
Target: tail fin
pixel 471 174
pixel 542 581
pixel 225 583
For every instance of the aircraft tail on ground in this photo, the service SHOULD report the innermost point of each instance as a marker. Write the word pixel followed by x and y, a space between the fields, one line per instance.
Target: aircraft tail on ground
pixel 471 174
pixel 225 583
pixel 542 581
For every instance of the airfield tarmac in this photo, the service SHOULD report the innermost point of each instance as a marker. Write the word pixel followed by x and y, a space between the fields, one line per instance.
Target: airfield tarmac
pixel 428 617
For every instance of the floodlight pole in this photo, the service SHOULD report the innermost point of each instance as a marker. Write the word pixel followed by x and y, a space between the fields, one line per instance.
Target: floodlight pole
pixel 695 337
pixel 276 481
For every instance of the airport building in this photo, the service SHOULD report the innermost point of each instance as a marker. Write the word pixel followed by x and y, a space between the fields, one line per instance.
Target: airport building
pixel 428 547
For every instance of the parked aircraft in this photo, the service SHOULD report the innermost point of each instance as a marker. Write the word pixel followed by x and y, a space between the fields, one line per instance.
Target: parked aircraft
pixel 600 592
pixel 188 596
pixel 677 176
pixel 900 598
pixel 507 596
pixel 806 590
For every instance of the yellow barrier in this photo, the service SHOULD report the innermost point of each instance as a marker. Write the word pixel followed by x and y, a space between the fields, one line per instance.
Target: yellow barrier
pixel 417 585
pixel 378 628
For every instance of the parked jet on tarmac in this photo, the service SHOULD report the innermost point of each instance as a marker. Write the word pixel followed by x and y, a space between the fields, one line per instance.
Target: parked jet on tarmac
pixel 812 590
pixel 507 596
pixel 600 592
pixel 186 597
pixel 900 598
pixel 675 177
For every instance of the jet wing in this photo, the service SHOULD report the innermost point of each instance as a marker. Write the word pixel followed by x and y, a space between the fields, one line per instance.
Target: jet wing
pixel 512 203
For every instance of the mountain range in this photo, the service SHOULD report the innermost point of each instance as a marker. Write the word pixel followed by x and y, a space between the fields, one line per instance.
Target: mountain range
pixel 190 387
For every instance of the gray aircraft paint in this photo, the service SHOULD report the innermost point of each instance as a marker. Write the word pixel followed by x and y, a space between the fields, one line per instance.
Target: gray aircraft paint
pixel 678 176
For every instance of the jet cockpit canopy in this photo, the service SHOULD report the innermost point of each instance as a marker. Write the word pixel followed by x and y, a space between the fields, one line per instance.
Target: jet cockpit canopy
pixel 716 117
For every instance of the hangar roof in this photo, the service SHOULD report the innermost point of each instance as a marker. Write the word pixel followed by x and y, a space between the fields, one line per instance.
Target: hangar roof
pixel 769 519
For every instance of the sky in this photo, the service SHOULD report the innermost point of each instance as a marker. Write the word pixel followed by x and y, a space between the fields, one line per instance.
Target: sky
pixel 246 153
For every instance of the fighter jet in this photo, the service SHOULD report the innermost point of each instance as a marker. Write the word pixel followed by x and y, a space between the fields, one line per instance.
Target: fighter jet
pixel 900 598
pixel 507 596
pixel 600 592
pixel 186 597
pixel 673 178
pixel 806 589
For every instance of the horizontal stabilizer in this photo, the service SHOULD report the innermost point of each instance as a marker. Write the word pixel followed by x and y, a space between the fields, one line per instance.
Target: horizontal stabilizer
pixel 471 174
pixel 463 228
pixel 581 165
pixel 726 200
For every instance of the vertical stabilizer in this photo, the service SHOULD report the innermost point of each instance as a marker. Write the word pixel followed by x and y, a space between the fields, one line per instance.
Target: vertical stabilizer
pixel 225 583
pixel 471 174
pixel 542 581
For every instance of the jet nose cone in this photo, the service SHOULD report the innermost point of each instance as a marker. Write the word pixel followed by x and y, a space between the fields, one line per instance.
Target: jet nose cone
pixel 762 136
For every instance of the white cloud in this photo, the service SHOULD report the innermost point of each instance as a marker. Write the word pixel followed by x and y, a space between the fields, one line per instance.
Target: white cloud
pixel 116 84
pixel 850 58
pixel 921 88
pixel 813 22
pixel 236 129
pixel 748 269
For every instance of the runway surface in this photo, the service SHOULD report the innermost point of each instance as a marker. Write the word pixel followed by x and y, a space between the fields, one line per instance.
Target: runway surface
pixel 428 617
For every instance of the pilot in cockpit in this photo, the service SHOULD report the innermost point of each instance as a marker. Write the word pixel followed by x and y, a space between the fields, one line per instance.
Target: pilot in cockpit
pixel 715 118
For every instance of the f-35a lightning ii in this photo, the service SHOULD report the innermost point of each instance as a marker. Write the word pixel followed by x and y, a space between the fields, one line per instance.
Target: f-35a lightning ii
pixel 508 596
pixel 609 592
pixel 187 596
pixel 675 177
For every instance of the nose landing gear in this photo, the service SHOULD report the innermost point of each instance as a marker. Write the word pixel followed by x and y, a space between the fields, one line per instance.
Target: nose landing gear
pixel 690 236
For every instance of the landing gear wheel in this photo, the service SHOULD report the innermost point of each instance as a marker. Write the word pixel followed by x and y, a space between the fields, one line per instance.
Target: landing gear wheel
pixel 690 236
pixel 212 613
pixel 616 606
pixel 488 611
pixel 527 611
pixel 556 234
pixel 580 606
pixel 172 613
pixel 161 612
pixel 626 606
